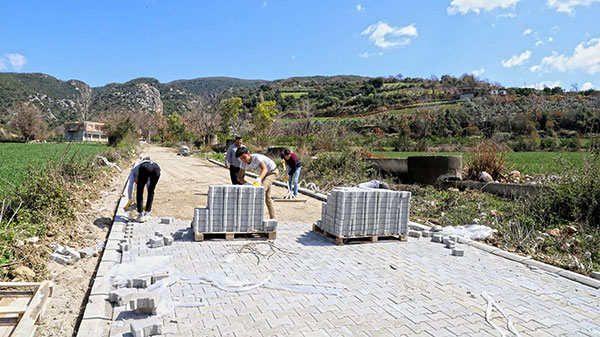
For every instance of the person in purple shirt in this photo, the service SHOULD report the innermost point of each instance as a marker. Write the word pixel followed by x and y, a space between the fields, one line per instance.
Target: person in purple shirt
pixel 294 165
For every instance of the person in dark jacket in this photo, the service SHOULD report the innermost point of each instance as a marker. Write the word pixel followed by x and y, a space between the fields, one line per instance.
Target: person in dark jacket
pixel 144 174
pixel 232 162
pixel 294 165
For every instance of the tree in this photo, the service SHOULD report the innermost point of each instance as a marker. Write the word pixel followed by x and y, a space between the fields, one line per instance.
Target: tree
pixel 229 110
pixel 28 119
pixel 121 132
pixel 175 125
pixel 200 120
pixel 263 121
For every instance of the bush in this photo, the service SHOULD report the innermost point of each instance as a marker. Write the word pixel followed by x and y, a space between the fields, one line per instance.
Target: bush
pixel 486 157
pixel 123 134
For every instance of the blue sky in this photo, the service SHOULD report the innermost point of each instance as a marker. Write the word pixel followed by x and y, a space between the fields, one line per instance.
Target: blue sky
pixel 513 42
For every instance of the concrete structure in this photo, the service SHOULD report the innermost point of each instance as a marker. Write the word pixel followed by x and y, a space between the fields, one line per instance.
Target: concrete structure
pixel 85 132
pixel 234 209
pixel 363 212
pixel 421 169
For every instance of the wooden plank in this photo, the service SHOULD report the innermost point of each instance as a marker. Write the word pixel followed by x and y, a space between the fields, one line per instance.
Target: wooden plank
pixel 27 324
pixel 290 200
pixel 19 284
pixel 341 240
pixel 6 294
pixel 13 309
pixel 230 236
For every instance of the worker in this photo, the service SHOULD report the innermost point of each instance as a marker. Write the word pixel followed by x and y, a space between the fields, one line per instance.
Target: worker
pixel 374 184
pixel 144 173
pixel 232 162
pixel 293 172
pixel 267 173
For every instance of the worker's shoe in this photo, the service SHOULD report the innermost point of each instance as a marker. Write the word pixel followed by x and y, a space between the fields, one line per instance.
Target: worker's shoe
pixel 141 217
pixel 147 216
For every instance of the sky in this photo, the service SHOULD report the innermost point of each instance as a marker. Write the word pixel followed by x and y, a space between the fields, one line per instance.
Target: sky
pixel 516 43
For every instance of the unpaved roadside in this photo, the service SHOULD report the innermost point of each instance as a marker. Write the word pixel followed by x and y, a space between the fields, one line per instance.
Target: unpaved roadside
pixel 184 182
pixel 71 282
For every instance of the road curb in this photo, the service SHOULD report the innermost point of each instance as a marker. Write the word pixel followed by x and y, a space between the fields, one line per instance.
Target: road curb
pixel 98 315
pixel 528 261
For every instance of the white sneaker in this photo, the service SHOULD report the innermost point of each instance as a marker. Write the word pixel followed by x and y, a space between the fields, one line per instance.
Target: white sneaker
pixel 141 217
pixel 147 216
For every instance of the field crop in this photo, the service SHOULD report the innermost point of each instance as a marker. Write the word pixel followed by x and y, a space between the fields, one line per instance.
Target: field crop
pixel 532 163
pixel 16 158
pixel 295 94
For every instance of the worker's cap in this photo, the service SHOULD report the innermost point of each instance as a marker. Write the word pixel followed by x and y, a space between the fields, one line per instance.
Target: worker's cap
pixel 240 151
pixel 238 137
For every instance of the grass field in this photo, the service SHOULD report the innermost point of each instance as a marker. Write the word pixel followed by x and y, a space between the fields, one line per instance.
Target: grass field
pixel 532 163
pixel 16 158
pixel 295 94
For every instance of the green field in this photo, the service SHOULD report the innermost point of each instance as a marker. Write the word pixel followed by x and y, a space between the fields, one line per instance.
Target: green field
pixel 16 158
pixel 532 163
pixel 295 94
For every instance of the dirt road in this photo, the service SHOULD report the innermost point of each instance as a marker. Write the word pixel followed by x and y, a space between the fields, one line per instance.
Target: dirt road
pixel 184 182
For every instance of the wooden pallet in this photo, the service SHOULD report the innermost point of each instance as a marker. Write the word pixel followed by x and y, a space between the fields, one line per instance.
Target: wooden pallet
pixel 341 240
pixel 22 306
pixel 229 236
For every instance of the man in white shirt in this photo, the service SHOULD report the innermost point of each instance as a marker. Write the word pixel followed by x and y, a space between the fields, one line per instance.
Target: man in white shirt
pixel 267 169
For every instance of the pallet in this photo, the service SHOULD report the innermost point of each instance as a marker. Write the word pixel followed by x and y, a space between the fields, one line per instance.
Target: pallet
pixel 22 307
pixel 341 240
pixel 230 236
pixel 289 200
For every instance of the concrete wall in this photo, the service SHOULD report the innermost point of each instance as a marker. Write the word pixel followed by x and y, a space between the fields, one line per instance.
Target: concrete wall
pixel 421 169
pixel 513 191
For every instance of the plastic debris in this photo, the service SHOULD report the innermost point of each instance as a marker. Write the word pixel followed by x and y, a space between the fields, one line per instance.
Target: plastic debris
pixel 488 313
pixel 108 163
pixel 474 232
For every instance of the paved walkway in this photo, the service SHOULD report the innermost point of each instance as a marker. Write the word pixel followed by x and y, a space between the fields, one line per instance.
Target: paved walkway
pixel 413 288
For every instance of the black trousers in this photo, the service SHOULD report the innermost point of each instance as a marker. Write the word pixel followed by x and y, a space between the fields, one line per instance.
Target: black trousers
pixel 147 172
pixel 233 174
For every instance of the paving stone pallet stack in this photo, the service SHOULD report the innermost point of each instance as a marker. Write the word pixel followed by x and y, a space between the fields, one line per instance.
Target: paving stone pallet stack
pixel 365 212
pixel 233 208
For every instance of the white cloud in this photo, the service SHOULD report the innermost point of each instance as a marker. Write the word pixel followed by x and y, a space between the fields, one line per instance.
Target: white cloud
pixel 17 61
pixel 509 15
pixel 527 31
pixel 567 6
pixel 2 64
pixel 587 86
pixel 538 42
pixel 385 36
pixel 551 39
pixel 544 84
pixel 478 72
pixel 359 8
pixel 293 57
pixel 366 54
pixel 586 57
pixel 464 6
pixel 517 60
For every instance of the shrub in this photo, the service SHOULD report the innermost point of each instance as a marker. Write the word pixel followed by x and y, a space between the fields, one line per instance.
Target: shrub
pixel 122 134
pixel 487 157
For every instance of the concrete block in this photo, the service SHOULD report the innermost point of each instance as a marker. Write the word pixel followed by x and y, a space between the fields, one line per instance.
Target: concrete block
pixel 124 246
pixel 458 252
pixel 446 239
pixel 160 276
pixel 121 296
pixel 436 228
pixel 146 327
pixel 139 282
pixel 167 240
pixel 158 234
pixel 73 253
pixel 86 252
pixel 454 238
pixel 59 249
pixel 59 258
pixel 462 239
pixel 156 242
pixel 414 234
pixel 450 245
pixel 167 220
pixel 596 275
pixel 144 303
pixel 426 234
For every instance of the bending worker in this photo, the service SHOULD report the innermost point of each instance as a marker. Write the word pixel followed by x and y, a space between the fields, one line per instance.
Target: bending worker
pixel 294 165
pixel 374 184
pixel 267 173
pixel 144 173
pixel 232 162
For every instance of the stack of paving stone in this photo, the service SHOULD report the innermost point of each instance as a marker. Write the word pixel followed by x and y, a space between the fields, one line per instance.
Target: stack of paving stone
pixel 364 212
pixel 233 208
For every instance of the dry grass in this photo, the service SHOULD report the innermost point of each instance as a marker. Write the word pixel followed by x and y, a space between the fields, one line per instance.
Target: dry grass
pixel 489 157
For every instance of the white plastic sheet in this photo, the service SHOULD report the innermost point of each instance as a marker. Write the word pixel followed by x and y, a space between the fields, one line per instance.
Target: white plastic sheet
pixel 474 232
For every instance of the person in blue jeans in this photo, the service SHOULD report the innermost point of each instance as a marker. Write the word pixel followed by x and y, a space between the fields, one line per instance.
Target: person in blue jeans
pixel 294 165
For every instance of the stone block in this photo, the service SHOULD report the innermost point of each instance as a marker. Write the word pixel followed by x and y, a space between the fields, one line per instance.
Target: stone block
pixel 124 246
pixel 158 234
pixel 73 253
pixel 450 245
pixel 436 228
pixel 167 240
pixel 156 242
pixel 159 276
pixel 144 303
pixel 86 252
pixel 595 274
pixel 146 327
pixel 59 258
pixel 121 296
pixel 414 234
pixel 59 249
pixel 139 282
pixel 458 252
pixel 426 234
pixel 167 220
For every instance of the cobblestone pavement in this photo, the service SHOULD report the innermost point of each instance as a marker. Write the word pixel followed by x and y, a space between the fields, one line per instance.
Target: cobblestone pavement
pixel 413 288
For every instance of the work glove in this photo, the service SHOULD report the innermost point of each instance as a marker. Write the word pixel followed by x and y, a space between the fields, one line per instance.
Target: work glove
pixel 287 178
pixel 129 205
pixel 257 182
pixel 282 161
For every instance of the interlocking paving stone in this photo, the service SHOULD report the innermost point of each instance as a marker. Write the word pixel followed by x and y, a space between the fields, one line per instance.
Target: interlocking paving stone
pixel 430 293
